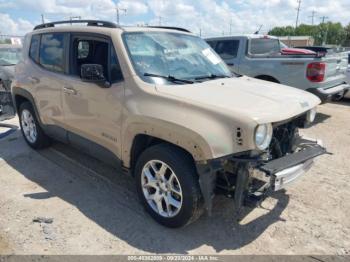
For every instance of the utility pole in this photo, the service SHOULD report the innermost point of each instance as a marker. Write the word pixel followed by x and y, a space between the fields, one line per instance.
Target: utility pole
pixel 323 18
pixel 231 26
pixel 42 18
pixel 312 16
pixel 298 11
pixel 160 20
pixel 117 9
pixel 75 17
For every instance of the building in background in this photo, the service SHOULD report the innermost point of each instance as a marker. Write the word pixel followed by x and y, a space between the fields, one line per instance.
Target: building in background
pixel 292 41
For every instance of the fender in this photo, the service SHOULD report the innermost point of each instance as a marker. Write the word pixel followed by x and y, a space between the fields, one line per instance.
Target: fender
pixel 182 137
pixel 18 91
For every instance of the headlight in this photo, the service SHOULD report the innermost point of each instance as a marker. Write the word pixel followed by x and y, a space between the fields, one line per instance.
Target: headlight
pixel 311 115
pixel 263 136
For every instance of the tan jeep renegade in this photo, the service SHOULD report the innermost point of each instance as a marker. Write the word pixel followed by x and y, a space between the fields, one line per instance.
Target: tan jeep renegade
pixel 161 103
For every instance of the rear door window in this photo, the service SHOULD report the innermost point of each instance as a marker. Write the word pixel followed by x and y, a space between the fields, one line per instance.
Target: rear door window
pixel 34 48
pixel 212 44
pixel 261 46
pixel 52 52
pixel 227 49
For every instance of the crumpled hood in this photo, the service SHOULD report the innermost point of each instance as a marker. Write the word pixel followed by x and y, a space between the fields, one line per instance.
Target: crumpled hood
pixel 258 100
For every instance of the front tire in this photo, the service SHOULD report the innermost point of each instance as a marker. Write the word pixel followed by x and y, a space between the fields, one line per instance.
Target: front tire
pixel 31 130
pixel 167 185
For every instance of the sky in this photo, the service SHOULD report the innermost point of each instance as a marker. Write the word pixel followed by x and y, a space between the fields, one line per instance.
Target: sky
pixel 205 17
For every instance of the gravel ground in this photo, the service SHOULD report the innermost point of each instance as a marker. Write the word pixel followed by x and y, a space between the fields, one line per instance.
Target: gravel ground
pixel 94 209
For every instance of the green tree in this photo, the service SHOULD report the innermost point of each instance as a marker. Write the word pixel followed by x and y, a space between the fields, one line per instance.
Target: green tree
pixel 330 33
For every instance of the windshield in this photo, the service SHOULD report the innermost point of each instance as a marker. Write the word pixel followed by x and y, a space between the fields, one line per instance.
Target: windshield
pixel 9 56
pixel 264 46
pixel 181 56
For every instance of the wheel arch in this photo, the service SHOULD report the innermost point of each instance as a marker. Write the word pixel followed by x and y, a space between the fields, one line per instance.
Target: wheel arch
pixel 138 137
pixel 143 141
pixel 20 95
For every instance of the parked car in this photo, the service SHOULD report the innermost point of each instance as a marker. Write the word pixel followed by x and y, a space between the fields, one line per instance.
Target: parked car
pixel 347 94
pixel 9 56
pixel 260 57
pixel 160 103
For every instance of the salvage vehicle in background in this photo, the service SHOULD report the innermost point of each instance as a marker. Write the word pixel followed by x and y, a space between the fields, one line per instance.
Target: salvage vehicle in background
pixel 347 94
pixel 261 57
pixel 160 103
pixel 9 57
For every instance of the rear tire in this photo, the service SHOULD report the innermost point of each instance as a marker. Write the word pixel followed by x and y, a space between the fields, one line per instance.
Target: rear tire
pixel 167 185
pixel 31 130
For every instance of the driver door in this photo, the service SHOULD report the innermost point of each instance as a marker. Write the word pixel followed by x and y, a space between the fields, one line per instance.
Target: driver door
pixel 93 112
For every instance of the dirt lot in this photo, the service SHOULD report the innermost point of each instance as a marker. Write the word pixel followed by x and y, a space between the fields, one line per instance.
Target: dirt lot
pixel 95 209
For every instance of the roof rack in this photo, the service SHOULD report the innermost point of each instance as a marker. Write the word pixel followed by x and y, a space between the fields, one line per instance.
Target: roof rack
pixel 88 22
pixel 170 27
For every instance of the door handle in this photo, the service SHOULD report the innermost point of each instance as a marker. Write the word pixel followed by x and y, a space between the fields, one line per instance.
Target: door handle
pixel 230 64
pixel 69 90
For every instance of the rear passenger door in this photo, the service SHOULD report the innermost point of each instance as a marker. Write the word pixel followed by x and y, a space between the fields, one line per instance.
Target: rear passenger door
pixel 228 51
pixel 93 112
pixel 46 78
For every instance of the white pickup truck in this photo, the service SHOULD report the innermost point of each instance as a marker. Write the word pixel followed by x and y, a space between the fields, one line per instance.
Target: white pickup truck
pixel 261 57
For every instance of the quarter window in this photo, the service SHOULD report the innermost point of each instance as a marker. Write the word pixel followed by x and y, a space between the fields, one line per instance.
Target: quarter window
pixel 51 52
pixel 34 48
pixel 116 72
pixel 227 49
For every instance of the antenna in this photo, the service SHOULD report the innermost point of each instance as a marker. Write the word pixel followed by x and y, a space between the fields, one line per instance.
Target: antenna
pixel 257 32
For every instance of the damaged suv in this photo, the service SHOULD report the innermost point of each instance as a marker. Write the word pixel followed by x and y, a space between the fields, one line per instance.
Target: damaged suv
pixel 9 57
pixel 159 102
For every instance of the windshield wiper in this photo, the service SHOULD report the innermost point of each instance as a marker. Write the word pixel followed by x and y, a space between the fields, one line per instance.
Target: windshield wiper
pixel 170 78
pixel 211 76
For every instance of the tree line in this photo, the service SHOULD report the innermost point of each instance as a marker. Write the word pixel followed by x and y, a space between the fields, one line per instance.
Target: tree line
pixel 325 33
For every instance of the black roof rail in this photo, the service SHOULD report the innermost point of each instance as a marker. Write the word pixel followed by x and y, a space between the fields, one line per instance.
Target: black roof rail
pixel 88 22
pixel 170 27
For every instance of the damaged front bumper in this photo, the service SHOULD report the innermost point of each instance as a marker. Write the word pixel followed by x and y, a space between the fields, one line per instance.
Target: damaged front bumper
pixel 250 179
pixel 285 170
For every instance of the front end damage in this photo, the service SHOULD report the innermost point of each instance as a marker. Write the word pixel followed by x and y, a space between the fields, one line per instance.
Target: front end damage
pixel 249 177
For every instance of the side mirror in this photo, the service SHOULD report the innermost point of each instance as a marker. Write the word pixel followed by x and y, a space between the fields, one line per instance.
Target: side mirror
pixel 93 73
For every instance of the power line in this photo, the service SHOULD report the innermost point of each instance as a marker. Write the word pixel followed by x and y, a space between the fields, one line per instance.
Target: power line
pixel 298 11
pixel 312 16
